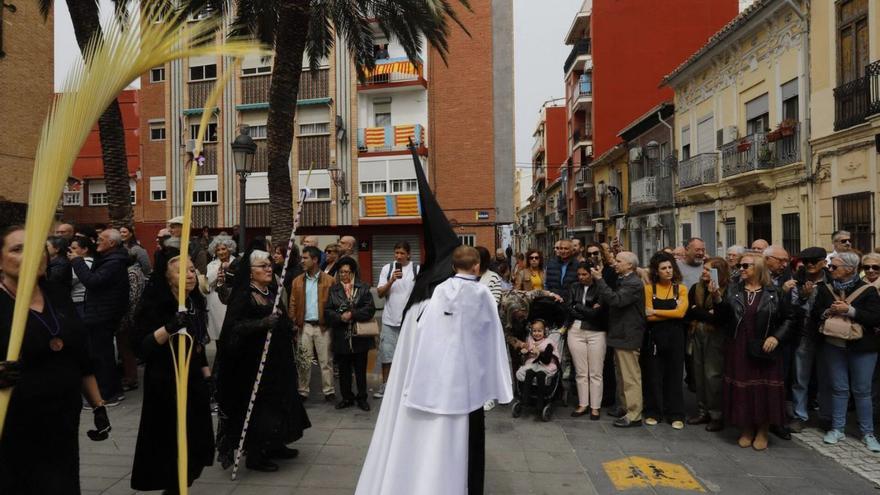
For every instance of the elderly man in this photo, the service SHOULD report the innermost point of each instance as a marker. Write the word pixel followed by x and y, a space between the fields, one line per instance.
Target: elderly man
pixel 65 230
pixel 626 330
pixel 679 252
pixel 106 303
pixel 691 267
pixel 841 241
pixel 759 245
pixel 777 260
pixel 561 269
pixel 734 254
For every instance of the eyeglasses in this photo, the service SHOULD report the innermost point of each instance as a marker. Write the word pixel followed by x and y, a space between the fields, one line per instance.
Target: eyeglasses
pixel 534 257
pixel 873 268
pixel 262 266
pixel 833 267
pixel 845 241
pixel 745 266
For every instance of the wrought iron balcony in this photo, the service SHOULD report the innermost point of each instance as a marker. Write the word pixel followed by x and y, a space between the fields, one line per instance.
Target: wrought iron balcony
pixel 698 170
pixel 540 172
pixel 394 70
pixel 745 155
pixel 582 47
pixel 851 103
pixel 786 145
pixel 584 179
pixel 651 192
pixel 390 138
pixel 872 72
pixel 597 210
pixel 583 219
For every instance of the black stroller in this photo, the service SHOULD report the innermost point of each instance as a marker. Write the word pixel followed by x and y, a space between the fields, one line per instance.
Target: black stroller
pixel 554 315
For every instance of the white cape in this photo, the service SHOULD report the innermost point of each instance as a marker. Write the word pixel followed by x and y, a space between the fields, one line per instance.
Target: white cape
pixel 437 368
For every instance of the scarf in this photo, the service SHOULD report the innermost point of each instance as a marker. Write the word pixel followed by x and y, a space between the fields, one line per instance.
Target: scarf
pixel 845 286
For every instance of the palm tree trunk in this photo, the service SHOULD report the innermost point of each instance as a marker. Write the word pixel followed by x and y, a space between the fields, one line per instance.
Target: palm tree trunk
pixel 290 41
pixel 86 25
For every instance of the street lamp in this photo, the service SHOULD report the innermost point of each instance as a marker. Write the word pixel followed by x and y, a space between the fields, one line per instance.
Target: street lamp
pixel 243 151
pixel 337 175
pixel 653 150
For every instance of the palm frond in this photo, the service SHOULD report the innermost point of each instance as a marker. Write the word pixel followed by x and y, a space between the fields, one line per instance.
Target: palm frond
pixel 126 50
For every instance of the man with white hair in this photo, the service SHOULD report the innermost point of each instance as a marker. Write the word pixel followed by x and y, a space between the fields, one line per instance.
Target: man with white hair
pixel 841 241
pixel 777 260
pixel 759 245
pixel 106 302
pixel 626 330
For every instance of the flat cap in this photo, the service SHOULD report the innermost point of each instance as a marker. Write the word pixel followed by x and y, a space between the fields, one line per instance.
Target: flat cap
pixel 813 253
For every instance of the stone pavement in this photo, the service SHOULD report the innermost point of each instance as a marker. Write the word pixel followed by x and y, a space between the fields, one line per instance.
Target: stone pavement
pixel 564 456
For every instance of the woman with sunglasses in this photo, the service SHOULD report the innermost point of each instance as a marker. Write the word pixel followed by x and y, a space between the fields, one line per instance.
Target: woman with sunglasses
pixel 849 364
pixel 531 277
pixel 757 320
pixel 600 256
pixel 871 268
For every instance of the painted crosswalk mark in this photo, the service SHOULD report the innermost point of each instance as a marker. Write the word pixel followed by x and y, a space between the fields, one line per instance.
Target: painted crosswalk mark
pixel 639 472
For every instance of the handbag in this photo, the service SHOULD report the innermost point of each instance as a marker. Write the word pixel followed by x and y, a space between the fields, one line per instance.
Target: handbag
pixel 369 328
pixel 755 350
pixel 843 327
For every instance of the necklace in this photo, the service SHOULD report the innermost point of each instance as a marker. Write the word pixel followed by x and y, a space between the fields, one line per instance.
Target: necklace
pixel 751 295
pixel 56 343
pixel 265 293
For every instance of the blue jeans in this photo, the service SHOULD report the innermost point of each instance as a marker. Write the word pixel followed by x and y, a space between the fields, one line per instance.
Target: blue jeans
pixel 805 355
pixel 850 371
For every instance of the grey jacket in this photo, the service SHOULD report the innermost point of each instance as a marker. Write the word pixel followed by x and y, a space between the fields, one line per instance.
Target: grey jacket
pixel 626 311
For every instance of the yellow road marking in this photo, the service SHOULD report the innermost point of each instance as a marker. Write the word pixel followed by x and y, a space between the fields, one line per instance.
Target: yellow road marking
pixel 639 472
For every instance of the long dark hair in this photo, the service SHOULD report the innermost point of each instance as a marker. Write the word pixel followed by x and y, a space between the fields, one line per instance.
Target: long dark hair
pixel 485 259
pixel 529 254
pixel 658 258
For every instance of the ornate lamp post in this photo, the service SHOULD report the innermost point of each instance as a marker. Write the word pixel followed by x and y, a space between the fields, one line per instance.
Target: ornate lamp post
pixel 243 151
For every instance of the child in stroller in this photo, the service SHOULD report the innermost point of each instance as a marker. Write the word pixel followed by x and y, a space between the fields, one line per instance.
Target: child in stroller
pixel 541 357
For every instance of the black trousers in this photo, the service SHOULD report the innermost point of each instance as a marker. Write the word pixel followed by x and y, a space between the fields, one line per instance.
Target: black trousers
pixel 476 452
pixel 347 363
pixel 540 386
pixel 662 372
pixel 102 352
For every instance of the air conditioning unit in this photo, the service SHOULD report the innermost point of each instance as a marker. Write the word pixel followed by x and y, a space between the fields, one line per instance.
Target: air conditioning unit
pixel 635 154
pixel 600 226
pixel 731 133
pixel 621 223
pixel 653 221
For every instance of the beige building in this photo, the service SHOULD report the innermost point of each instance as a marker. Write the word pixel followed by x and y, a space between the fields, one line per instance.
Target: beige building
pixel 740 132
pixel 26 90
pixel 845 123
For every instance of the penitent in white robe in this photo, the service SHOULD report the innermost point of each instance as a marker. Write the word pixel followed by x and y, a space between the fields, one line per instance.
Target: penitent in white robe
pixel 450 359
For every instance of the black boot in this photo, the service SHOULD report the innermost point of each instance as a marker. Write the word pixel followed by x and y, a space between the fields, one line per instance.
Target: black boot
pixel 259 462
pixel 282 453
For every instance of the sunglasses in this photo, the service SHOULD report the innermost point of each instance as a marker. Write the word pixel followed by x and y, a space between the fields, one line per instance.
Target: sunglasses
pixel 812 261
pixel 845 241
pixel 873 268
pixel 745 266
pixel 594 254
pixel 534 257
pixel 833 267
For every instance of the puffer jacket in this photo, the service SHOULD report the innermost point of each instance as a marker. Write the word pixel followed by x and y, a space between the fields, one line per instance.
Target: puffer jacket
pixel 106 286
pixel 553 280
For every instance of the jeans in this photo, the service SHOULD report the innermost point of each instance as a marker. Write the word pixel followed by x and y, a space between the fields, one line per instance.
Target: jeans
pixel 709 370
pixel 850 371
pixel 806 354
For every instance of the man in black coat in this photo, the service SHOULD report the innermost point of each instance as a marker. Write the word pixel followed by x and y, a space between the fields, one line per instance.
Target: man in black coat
pixel 106 303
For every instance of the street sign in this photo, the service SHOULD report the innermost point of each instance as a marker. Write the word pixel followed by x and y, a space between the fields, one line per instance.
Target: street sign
pixel 482 215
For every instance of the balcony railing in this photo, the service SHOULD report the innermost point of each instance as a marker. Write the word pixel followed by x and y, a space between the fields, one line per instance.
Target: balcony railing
pixel 209 151
pixel 316 213
pixel 539 226
pixel 615 206
pixel 745 155
pixel 314 152
pixel 390 138
pixel 255 89
pixel 851 103
pixel 787 149
pixel 584 178
pixel 872 72
pixel 582 47
pixel 698 170
pixel 538 146
pixel 597 210
pixel 653 191
pixel 583 218
pixel 394 70
pixel 390 205
pixel 199 92
pixel 256 214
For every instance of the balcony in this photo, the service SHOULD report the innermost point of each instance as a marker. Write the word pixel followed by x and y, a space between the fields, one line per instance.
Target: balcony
pixel 255 89
pixel 314 152
pixel 872 72
pixel 615 207
pixel 390 205
pixel 582 94
pixel 583 220
pixel 651 192
pixel 316 214
pixel 204 215
pixel 389 138
pixel 746 155
pixel 538 147
pixel 786 146
pixel 582 138
pixel 393 71
pixel 857 99
pixel 539 226
pixel 199 92
pixel 583 180
pixel 256 214
pixel 698 170
pixel 578 56
pixel 597 210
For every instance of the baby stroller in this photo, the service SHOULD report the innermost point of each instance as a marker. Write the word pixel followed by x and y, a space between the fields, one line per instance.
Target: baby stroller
pixel 554 315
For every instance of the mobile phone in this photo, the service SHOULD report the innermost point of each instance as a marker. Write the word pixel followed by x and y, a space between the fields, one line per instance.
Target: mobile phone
pixel 713 274
pixel 396 266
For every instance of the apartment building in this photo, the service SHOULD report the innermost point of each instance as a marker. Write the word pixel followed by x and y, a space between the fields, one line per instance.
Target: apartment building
pixel 739 119
pixel 549 154
pixel 27 88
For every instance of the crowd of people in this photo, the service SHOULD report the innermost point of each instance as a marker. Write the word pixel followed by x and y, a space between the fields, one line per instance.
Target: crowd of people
pixel 767 340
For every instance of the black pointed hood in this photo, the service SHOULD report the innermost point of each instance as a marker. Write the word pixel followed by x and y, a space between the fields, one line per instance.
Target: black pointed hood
pixel 440 240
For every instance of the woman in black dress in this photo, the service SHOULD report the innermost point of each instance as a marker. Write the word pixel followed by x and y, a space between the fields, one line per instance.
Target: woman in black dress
pixel 155 456
pixel 39 449
pixel 278 417
pixel 350 301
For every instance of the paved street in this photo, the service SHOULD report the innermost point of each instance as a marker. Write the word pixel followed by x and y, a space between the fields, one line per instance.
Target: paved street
pixel 565 456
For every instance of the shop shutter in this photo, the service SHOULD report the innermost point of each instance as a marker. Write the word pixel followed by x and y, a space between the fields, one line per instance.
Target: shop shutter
pixel 383 252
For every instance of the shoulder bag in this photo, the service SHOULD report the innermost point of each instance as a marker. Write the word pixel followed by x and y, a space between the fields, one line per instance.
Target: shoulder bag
pixel 369 328
pixel 841 326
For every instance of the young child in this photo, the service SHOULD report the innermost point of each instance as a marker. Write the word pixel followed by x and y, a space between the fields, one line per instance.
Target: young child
pixel 541 363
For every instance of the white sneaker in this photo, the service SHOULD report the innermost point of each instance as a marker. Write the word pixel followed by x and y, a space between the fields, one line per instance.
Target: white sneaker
pixel 490 404
pixel 378 394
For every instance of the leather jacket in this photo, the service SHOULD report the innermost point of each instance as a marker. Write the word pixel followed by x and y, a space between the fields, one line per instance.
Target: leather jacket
pixel 774 316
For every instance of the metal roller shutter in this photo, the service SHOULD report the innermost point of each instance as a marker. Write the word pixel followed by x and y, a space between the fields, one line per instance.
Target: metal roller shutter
pixel 383 251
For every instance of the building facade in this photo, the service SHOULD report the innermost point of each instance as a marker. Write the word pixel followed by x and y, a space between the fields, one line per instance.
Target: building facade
pixel 549 154
pixel 739 113
pixel 26 91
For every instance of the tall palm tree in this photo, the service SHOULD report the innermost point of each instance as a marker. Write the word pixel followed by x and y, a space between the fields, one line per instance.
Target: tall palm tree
pixel 298 27
pixel 86 25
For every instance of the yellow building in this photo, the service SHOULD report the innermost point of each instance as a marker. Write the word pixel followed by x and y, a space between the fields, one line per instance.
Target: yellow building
pixel 610 174
pixel 739 128
pixel 845 123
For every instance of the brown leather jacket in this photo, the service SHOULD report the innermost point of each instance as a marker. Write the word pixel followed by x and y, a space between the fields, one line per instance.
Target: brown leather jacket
pixel 297 307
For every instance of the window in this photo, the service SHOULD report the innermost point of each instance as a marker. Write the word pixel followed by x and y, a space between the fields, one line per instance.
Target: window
pixel 380 51
pixel 468 239
pixel 760 224
pixel 758 115
pixel 374 187
pixel 201 14
pixel 313 129
pixel 97 199
pixel 853 40
pixel 204 197
pixel 318 194
pixel 730 231
pixel 157 74
pixel 789 93
pixel 158 189
pixel 686 231
pixel 585 83
pixel 157 131
pixel 72 198
pixel 253 71
pixel 685 143
pixel 404 185
pixel 210 134
pixel 854 214
pixel 382 112
pixel 258 131
pixel 791 232
pixel 203 72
